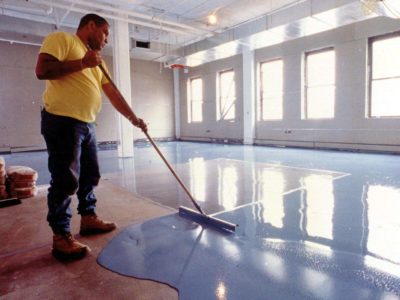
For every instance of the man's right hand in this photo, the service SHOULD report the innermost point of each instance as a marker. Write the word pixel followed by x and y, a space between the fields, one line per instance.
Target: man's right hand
pixel 91 59
pixel 142 125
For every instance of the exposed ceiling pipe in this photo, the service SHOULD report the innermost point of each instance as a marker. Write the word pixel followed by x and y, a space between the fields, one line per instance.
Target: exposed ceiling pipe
pixel 112 17
pixel 171 8
pixel 59 24
pixel 147 20
pixel 139 15
pixel 19 42
pixel 25 10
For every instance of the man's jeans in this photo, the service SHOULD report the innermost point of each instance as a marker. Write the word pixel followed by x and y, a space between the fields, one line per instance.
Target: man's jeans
pixel 73 165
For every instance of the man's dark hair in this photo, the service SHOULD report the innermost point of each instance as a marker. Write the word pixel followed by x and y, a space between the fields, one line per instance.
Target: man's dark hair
pixel 92 17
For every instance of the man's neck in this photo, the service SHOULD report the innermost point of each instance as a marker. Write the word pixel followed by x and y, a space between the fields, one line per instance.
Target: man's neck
pixel 82 37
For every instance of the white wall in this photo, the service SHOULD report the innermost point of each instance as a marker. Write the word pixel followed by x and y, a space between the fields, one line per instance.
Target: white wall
pixel 350 129
pixel 21 94
pixel 153 98
pixel 20 97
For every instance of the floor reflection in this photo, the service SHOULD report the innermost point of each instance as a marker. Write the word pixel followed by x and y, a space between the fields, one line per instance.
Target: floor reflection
pixel 312 224
pixel 225 184
pixel 309 214
pixel 383 235
pixel 318 199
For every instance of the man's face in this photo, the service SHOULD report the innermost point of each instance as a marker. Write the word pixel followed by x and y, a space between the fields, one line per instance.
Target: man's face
pixel 99 36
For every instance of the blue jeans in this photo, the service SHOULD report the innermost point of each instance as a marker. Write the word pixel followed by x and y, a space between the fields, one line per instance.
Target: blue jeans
pixel 73 165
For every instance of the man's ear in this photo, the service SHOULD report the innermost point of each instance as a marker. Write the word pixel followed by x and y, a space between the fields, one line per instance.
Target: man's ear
pixel 91 25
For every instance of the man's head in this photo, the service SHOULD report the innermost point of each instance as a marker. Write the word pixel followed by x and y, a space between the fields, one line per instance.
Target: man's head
pixel 94 29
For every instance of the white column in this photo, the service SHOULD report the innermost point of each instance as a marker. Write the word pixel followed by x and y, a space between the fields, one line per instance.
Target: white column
pixel 248 97
pixel 177 102
pixel 122 78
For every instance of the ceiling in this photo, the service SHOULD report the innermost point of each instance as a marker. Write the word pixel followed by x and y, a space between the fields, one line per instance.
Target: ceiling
pixel 178 30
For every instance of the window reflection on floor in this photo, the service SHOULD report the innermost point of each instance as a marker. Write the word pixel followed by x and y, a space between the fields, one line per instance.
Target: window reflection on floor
pixel 228 186
pixel 319 205
pixel 272 184
pixel 383 222
pixel 198 178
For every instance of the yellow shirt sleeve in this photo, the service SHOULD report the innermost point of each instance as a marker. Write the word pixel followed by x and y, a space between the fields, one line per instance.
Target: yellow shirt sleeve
pixel 56 44
pixel 76 95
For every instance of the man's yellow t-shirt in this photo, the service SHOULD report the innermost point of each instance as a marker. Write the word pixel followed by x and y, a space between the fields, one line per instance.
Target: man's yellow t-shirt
pixel 76 95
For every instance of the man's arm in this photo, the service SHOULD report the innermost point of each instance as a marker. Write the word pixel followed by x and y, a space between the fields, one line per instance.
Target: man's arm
pixel 118 101
pixel 49 67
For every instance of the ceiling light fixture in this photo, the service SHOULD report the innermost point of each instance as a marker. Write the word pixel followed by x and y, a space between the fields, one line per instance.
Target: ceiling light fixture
pixel 389 8
pixel 212 19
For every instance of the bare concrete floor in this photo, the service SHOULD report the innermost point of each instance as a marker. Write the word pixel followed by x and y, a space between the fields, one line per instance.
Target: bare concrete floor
pixel 29 271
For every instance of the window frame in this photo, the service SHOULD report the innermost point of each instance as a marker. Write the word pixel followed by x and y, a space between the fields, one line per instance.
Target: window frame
pixel 260 78
pixel 219 97
pixel 190 102
pixel 370 80
pixel 305 104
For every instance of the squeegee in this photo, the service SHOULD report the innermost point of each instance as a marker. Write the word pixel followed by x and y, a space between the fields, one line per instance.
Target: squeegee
pixel 198 217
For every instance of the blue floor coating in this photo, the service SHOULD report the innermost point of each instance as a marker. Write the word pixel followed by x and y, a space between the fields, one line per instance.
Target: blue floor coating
pixel 206 264
pixel 307 225
pixel 311 234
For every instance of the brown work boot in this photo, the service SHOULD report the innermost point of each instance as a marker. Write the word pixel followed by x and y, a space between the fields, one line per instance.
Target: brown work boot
pixel 66 247
pixel 91 224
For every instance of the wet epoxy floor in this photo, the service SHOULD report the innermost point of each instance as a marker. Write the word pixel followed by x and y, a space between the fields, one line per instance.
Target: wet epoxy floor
pixel 332 215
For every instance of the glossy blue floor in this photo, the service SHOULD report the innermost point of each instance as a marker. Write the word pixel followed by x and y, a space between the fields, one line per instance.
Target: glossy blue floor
pixel 312 224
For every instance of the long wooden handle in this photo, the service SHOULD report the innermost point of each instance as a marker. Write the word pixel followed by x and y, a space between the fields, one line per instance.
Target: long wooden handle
pixel 159 152
pixel 174 173
pixel 107 76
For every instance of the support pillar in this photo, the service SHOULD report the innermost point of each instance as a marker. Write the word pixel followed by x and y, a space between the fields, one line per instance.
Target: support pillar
pixel 122 78
pixel 248 97
pixel 177 102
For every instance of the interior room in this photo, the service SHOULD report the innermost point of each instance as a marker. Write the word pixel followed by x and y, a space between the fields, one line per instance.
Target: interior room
pixel 268 168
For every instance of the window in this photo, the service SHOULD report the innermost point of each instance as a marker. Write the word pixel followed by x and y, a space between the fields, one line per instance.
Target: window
pixel 195 103
pixel 319 97
pixel 271 90
pixel 226 95
pixel 384 77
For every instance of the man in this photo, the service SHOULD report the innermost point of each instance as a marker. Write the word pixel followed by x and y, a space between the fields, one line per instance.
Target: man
pixel 70 65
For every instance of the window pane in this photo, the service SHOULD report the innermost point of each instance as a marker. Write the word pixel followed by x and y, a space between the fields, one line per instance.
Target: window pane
pixel 321 68
pixel 271 74
pixel 385 60
pixel 227 85
pixel 197 111
pixel 385 98
pixel 272 108
pixel 321 102
pixel 227 108
pixel 272 90
pixel 197 89
pixel 320 85
pixel 227 96
pixel 195 105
